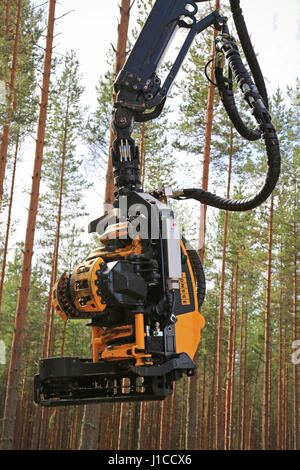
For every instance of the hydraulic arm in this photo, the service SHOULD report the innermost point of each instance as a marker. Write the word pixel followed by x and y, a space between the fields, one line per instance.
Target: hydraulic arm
pixel 143 288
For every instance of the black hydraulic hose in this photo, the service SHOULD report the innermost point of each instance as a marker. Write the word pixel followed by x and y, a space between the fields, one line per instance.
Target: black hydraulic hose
pixel 226 47
pixel 249 52
pixel 198 271
pixel 268 133
pixel 199 275
pixel 226 92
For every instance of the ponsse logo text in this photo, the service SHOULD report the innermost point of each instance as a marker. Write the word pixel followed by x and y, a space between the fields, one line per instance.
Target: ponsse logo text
pixel 184 291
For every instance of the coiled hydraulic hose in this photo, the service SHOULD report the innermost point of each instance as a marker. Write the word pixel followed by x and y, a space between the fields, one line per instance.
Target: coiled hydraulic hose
pixel 249 52
pixel 256 97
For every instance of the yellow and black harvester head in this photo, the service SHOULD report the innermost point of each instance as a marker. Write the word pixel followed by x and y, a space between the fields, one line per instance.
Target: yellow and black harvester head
pixel 141 295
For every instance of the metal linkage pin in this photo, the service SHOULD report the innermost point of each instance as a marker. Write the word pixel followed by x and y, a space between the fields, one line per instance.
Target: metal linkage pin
pixel 122 151
pixel 128 150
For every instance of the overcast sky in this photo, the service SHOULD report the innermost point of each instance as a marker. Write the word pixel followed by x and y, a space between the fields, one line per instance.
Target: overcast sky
pixel 274 26
pixel 91 26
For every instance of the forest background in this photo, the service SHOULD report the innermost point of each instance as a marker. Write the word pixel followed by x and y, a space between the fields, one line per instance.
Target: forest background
pixel 246 392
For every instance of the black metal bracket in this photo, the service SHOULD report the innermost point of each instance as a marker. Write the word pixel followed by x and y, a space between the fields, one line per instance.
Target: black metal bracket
pixel 71 381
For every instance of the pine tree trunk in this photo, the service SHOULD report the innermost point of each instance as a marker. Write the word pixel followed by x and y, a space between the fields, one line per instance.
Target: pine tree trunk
pixel 279 370
pixel 167 428
pixel 12 102
pixel 64 438
pixel 228 373
pixel 56 430
pixel 49 320
pixel 121 425
pixel 103 426
pixel 182 433
pixel 295 338
pixel 89 427
pixel 151 426
pixel 41 419
pixel 109 426
pixel 285 386
pixel 28 421
pixel 145 435
pixel 73 438
pixel 116 425
pixel 207 145
pixel 219 427
pixel 161 424
pixel 251 411
pixel 239 415
pixel 191 418
pixel 244 401
pixel 50 314
pixel 131 420
pixel 142 429
pixel 212 427
pixel 18 337
pixel 20 413
pixel 5 249
pixel 119 62
pixel 232 373
pixel 52 429
pixel 117 421
pixel 6 18
pixel 206 421
pixel 204 403
pixel 157 425
pixel 267 346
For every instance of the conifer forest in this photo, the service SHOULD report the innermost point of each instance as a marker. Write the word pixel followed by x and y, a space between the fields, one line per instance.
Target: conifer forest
pixel 55 168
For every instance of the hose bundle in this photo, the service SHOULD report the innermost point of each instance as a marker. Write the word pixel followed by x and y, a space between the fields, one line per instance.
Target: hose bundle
pixel 256 96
